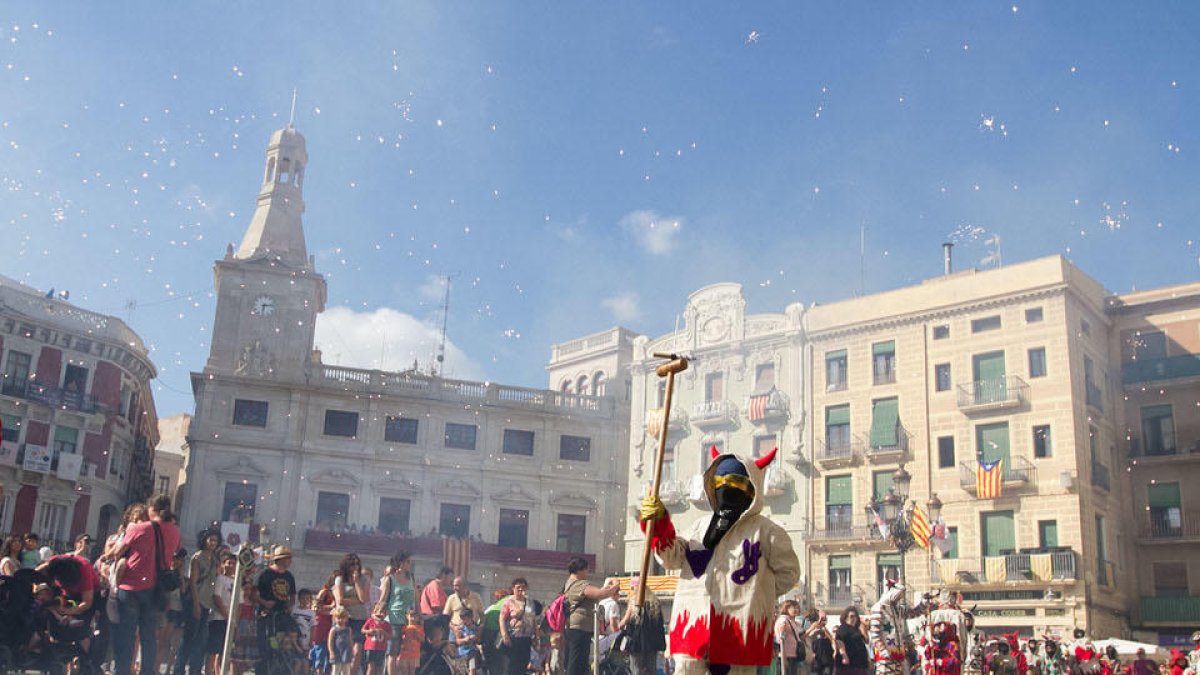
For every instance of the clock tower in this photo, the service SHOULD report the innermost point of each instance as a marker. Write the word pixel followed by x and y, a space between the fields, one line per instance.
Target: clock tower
pixel 268 291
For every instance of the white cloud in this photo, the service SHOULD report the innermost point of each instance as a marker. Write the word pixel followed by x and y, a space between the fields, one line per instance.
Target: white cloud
pixel 433 290
pixel 654 233
pixel 624 306
pixel 388 340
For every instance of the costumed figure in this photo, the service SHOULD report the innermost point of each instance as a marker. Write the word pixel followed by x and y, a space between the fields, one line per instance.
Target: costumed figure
pixel 731 571
pixel 888 631
pixel 1033 656
pixel 1087 659
pixel 943 649
pixel 1053 662
pixel 1194 656
pixel 973 646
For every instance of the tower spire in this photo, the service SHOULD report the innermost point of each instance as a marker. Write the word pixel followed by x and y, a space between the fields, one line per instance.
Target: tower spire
pixel 276 230
pixel 292 116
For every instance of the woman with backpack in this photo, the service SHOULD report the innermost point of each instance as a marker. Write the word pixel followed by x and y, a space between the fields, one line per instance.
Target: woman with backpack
pixel 397 595
pixel 579 601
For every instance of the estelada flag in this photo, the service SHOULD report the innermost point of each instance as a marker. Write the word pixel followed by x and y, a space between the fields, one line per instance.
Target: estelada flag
pixel 920 527
pixel 989 479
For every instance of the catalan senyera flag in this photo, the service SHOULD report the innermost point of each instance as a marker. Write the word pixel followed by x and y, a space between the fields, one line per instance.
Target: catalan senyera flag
pixel 989 479
pixel 456 554
pixel 920 527
pixel 758 407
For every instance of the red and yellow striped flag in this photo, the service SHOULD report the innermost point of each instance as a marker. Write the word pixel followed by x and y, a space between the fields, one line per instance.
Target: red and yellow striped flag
pixel 920 527
pixel 456 554
pixel 989 479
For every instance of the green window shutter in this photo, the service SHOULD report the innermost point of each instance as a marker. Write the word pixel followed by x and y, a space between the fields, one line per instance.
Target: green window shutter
pixel 882 482
pixel 998 532
pixel 66 435
pixel 1163 495
pixel 837 415
pixel 989 367
pixel 838 491
pixel 885 418
pixel 837 354
pixel 991 442
pixel 1048 533
pixel 839 562
pixel 890 560
pixel 888 347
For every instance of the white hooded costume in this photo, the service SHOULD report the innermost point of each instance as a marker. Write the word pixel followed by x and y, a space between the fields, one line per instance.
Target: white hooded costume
pixel 724 605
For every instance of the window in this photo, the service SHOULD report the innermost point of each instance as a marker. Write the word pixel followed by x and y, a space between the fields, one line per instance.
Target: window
pixel 52 525
pixel 16 372
pixel 951 551
pixel 1041 441
pixel 883 359
pixel 514 528
pixel 341 423
pixel 706 452
pixel 118 460
pixel 835 370
pixel 763 445
pixel 945 452
pixel 839 502
pixel 1163 503
pixel 885 424
pixel 839 579
pixel 1037 362
pixel 881 482
pixel 1033 315
pixel 455 521
pixel 461 436
pixel 837 429
pixel 888 566
pixel 985 324
pixel 1092 392
pixel 394 515
pixel 1101 552
pixel 1149 345
pixel 12 428
pixel 714 387
pixel 65 440
pixel 333 510
pixel 599 383
pixel 75 379
pixel 575 448
pixel 1085 327
pixel 1170 579
pixel 400 429
pixel 764 377
pixel 164 485
pixel 998 535
pixel 668 467
pixel 249 413
pixel 660 394
pixel 991 444
pixel 581 385
pixel 572 532
pixel 238 505
pixel 941 377
pixel 1158 430
pixel 941 332
pixel 1047 534
pixel 518 442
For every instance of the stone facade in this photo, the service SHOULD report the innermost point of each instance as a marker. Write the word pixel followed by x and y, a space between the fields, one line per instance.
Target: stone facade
pixel 496 481
pixel 78 416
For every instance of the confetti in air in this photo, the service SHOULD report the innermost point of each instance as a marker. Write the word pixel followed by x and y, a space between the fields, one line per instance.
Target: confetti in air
pixel 753 37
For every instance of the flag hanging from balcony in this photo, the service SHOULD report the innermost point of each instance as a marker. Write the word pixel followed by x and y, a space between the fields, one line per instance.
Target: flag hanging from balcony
pixel 920 527
pixel 456 554
pixel 757 409
pixel 989 479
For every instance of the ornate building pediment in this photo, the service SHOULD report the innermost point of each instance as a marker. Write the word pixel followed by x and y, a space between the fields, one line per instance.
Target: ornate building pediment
pixel 335 477
pixel 397 485
pixel 573 500
pixel 243 468
pixel 516 495
pixel 458 488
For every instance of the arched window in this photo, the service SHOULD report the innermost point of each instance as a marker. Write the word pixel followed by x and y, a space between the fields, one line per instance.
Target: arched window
pixel 299 175
pixel 581 385
pixel 270 170
pixel 598 383
pixel 285 167
pixel 565 387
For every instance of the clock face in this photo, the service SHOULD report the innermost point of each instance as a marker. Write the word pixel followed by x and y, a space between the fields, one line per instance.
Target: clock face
pixel 264 305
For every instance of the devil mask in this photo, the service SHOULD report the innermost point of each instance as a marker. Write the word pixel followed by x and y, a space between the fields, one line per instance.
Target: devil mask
pixel 734 493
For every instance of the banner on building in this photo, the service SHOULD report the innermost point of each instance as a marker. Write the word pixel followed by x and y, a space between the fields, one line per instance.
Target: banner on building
pixel 37 458
pixel 989 479
pixel 235 534
pixel 757 409
pixel 456 554
pixel 920 527
pixel 70 466
pixel 8 453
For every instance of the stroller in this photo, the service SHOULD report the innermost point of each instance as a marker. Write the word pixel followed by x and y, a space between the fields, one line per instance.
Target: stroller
pixel 18 626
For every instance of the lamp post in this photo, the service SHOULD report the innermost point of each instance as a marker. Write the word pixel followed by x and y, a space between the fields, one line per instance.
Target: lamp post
pixel 893 518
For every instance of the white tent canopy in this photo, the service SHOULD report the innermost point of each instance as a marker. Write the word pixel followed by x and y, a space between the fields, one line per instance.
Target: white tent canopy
pixel 1128 647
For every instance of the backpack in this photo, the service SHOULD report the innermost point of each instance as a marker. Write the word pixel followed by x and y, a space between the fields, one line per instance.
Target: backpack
pixel 556 613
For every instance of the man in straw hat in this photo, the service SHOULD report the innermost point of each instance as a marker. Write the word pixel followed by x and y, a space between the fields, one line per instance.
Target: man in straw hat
pixel 276 596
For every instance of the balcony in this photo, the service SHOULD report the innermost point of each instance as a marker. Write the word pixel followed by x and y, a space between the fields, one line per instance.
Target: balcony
pixel 676 425
pixel 888 453
pixel 1177 610
pixel 696 493
pixel 991 395
pixel 672 492
pixel 834 456
pixel 51 396
pixel 1142 371
pixel 1017 472
pixel 386 545
pixel 1101 477
pixel 714 414
pixel 1166 528
pixel 1015 568
pixel 838 599
pixel 772 406
pixel 1181 450
pixel 843 530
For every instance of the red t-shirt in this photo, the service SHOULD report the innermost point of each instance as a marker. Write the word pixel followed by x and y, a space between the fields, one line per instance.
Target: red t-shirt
pixel 89 579
pixel 139 538
pixel 378 633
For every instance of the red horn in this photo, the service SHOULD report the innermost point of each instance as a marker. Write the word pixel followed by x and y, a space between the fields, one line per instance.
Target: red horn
pixel 762 462
pixel 715 454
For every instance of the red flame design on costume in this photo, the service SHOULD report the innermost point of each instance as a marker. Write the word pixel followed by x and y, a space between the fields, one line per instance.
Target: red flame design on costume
pixel 735 647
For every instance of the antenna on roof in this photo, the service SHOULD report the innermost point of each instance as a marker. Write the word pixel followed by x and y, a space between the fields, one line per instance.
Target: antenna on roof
pixel 440 359
pixel 292 116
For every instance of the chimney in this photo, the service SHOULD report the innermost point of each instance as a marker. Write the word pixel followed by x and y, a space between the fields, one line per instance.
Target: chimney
pixel 946 258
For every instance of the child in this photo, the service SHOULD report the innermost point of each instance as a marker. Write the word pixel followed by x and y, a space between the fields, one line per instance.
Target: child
pixel 411 638
pixel 340 642
pixel 245 641
pixel 466 636
pixel 305 617
pixel 377 632
pixel 434 657
pixel 318 654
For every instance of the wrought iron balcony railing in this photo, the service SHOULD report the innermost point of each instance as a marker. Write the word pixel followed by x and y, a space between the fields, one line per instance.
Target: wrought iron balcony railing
pixel 1000 393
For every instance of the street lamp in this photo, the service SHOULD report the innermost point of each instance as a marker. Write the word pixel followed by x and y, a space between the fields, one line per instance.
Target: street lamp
pixel 890 515
pixel 935 508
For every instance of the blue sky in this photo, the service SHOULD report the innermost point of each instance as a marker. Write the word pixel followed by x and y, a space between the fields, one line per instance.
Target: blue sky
pixel 577 165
